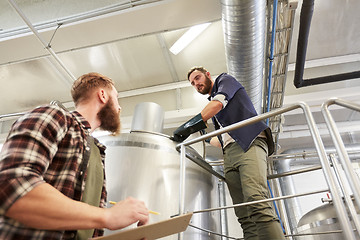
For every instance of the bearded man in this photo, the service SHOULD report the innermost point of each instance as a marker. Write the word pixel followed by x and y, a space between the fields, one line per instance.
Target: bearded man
pixel 245 150
pixel 52 174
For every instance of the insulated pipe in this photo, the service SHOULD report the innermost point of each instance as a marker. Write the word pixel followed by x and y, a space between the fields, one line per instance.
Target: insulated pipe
pixel 307 10
pixel 244 38
pixel 48 48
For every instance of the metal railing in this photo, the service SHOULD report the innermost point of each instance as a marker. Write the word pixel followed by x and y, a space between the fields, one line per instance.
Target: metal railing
pixel 9 115
pixel 331 181
pixel 343 155
pixel 19 114
pixel 12 115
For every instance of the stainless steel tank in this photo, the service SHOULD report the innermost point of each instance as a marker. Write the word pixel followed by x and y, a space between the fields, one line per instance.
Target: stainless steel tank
pixel 146 165
pixel 320 220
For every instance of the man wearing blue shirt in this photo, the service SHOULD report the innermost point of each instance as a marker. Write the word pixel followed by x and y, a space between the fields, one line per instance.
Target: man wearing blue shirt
pixel 245 150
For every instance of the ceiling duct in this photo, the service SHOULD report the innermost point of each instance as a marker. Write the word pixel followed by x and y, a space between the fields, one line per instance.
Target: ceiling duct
pixel 244 35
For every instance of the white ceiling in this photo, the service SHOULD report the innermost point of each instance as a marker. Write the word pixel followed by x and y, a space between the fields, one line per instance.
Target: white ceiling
pixel 130 44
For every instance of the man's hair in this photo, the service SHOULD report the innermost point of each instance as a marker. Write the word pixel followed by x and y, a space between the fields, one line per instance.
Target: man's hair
pixel 85 85
pixel 201 69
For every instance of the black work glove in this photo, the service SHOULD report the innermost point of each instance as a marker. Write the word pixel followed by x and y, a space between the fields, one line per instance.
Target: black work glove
pixel 203 132
pixel 193 125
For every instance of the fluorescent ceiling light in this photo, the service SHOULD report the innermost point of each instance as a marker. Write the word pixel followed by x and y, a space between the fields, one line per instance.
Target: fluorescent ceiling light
pixel 188 36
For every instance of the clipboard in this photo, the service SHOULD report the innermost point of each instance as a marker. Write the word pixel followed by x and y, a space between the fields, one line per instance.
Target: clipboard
pixel 152 231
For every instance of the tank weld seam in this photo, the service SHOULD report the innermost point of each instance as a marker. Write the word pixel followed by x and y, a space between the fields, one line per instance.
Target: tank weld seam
pixel 141 145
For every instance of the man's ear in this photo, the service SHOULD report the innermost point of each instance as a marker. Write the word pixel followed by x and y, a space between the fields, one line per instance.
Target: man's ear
pixel 208 75
pixel 102 95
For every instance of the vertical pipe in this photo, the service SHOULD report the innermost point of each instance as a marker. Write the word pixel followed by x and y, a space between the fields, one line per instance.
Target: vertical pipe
pixel 307 10
pixel 275 206
pixel 182 184
pixel 287 186
pixel 223 213
pixel 244 37
pixel 182 180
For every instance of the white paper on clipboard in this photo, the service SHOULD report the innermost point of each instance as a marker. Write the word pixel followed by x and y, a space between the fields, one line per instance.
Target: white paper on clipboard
pixel 152 231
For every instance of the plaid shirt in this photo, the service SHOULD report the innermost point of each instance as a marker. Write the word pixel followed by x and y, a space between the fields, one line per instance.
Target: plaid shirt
pixel 48 145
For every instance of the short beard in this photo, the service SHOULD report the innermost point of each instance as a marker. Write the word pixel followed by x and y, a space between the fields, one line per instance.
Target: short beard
pixel 109 118
pixel 207 86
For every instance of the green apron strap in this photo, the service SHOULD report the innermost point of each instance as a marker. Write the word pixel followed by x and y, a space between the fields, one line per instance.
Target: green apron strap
pixel 93 185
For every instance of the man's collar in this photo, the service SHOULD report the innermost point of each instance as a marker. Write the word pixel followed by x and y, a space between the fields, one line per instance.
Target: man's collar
pixel 81 120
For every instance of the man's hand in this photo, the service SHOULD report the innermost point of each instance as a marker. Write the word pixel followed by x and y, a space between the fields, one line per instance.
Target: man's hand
pixel 44 207
pixel 193 125
pixel 125 213
pixel 179 137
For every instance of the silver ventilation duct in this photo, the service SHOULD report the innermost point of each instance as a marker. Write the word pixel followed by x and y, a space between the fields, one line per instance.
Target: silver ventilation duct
pixel 244 30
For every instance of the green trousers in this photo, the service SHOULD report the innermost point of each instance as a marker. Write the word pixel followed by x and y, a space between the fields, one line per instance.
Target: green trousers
pixel 246 177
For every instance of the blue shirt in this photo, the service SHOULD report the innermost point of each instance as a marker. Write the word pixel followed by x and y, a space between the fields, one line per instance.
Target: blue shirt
pixel 238 108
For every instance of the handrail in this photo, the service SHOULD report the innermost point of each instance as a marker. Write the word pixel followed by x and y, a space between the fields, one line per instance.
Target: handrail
pixel 298 171
pixel 339 144
pixel 346 194
pixel 12 115
pixel 264 200
pixel 338 203
pixel 54 102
